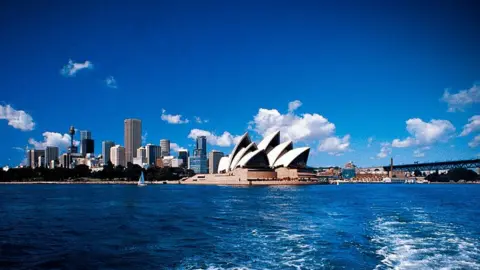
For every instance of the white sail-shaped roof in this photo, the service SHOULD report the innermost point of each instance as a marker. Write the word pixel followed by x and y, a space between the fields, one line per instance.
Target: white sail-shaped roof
pixel 290 156
pixel 257 158
pixel 223 164
pixel 278 151
pixel 243 142
pixel 251 147
pixel 270 142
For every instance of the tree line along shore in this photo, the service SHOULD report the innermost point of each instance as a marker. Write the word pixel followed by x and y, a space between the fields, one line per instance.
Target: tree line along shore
pixel 83 174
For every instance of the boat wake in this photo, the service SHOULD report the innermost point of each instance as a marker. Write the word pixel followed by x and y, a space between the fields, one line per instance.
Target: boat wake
pixel 416 242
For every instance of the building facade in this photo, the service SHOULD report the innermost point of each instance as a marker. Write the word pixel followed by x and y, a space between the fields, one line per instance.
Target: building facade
pixel 201 146
pixel 33 155
pixel 213 161
pixel 106 145
pixel 87 147
pixel 132 138
pixel 198 164
pixel 51 154
pixel 165 147
pixel 117 155
pixel 183 155
pixel 152 152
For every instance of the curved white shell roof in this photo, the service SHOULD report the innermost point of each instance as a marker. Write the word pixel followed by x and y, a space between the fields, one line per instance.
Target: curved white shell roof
pixel 245 139
pixel 285 160
pixel 268 140
pixel 223 164
pixel 244 161
pixel 276 152
pixel 251 147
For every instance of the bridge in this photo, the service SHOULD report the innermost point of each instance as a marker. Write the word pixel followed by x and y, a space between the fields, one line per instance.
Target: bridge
pixel 433 166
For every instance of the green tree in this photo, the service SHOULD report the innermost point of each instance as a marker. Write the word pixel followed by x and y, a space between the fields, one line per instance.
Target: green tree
pixel 417 173
pixel 462 174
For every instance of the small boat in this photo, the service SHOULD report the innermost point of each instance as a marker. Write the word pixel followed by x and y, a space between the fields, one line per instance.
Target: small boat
pixel 338 183
pixel 141 181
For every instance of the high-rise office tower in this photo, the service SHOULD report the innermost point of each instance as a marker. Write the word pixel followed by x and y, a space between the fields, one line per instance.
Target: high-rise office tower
pixel 213 161
pixel 142 154
pixel 152 152
pixel 183 155
pixel 106 145
pixel 87 147
pixel 165 147
pixel 33 157
pixel 133 138
pixel 51 154
pixel 201 147
pixel 117 155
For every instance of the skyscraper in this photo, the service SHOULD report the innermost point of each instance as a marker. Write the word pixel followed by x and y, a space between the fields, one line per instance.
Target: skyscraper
pixel 33 157
pixel 201 147
pixel 152 152
pixel 51 153
pixel 106 145
pixel 85 134
pixel 213 161
pixel 117 155
pixel 87 147
pixel 133 138
pixel 183 155
pixel 165 147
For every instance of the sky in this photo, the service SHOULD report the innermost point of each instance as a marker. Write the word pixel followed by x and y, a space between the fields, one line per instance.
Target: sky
pixel 357 81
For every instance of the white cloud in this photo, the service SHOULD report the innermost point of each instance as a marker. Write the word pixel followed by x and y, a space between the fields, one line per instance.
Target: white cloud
pixel 173 119
pixel 200 120
pixel 52 139
pixel 475 142
pixel 370 141
pixel 17 119
pixel 472 126
pixel 224 140
pixel 293 105
pixel 335 145
pixel 144 137
pixel 19 148
pixel 462 99
pixel 175 147
pixel 293 127
pixel 70 69
pixel 425 133
pixel 111 82
pixel 403 143
pixel 420 152
pixel 385 150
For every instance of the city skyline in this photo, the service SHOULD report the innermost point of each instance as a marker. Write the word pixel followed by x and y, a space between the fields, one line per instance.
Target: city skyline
pixel 345 86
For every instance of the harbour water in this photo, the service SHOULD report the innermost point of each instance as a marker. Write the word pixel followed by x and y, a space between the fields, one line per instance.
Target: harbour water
pixel 215 227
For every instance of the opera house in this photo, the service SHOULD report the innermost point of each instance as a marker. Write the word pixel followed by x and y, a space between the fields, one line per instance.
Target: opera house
pixel 269 162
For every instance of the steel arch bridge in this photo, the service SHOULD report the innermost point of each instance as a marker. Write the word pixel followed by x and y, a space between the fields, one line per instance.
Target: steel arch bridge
pixel 433 166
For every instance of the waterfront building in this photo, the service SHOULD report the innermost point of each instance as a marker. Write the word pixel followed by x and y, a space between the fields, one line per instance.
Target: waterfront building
pixel 198 164
pixel 51 154
pixel 152 152
pixel 214 160
pixel 87 147
pixel 117 155
pixel 106 145
pixel 132 138
pixel 183 155
pixel 177 163
pixel 142 154
pixel 165 147
pixel 33 155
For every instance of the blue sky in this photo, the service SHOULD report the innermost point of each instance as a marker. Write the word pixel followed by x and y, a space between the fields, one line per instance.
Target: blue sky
pixel 348 72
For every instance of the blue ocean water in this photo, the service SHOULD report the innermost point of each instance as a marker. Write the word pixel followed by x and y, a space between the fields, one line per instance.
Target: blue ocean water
pixel 214 227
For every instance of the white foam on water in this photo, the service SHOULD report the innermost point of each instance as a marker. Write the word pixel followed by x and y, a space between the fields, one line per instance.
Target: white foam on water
pixel 422 244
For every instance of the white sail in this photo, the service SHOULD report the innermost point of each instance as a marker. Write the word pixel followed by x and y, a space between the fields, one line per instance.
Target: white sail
pixel 141 181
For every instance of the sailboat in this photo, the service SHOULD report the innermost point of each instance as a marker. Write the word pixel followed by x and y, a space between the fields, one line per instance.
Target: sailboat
pixel 141 181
